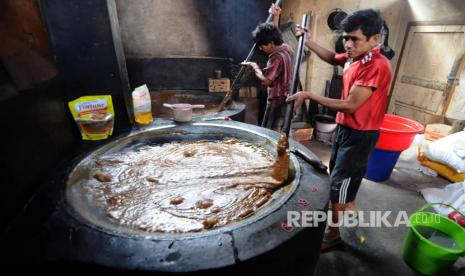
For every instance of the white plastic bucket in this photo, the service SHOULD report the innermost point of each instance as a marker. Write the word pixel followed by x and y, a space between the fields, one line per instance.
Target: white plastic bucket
pixel 324 128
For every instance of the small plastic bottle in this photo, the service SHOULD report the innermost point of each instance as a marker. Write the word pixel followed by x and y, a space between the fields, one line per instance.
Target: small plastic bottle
pixel 142 105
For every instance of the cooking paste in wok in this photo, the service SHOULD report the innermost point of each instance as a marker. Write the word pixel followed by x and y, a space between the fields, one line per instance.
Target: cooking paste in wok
pixel 183 186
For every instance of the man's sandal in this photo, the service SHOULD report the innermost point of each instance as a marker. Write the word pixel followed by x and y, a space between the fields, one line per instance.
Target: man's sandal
pixel 327 245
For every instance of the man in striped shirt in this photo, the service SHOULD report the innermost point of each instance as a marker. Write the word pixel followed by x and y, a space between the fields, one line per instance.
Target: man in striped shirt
pixel 277 75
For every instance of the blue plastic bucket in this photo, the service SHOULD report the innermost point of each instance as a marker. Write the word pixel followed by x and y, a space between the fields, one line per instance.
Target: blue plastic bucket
pixel 381 164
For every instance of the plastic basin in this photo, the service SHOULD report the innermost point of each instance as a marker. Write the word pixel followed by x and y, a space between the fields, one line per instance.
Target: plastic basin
pixel 397 133
pixel 425 255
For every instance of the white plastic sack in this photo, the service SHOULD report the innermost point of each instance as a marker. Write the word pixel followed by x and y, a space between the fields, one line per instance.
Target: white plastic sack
pixel 453 194
pixel 408 159
pixel 449 150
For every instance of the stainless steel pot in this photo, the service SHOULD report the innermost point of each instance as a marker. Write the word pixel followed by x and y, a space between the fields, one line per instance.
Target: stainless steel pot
pixel 129 248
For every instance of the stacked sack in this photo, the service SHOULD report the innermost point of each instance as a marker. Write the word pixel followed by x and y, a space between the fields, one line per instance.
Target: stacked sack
pixel 446 156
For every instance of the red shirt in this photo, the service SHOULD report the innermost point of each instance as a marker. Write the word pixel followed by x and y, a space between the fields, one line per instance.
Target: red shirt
pixel 372 70
pixel 279 69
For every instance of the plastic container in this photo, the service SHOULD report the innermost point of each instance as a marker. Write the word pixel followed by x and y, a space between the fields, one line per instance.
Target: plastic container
pixel 324 123
pixel 182 112
pixel 433 242
pixel 381 164
pixel 325 137
pixel 397 133
pixel 142 105
pixel 457 218
pixel 302 135
pixel 325 126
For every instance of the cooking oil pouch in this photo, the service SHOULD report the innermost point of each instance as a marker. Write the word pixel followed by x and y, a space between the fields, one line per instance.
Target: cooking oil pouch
pixel 94 116
pixel 142 105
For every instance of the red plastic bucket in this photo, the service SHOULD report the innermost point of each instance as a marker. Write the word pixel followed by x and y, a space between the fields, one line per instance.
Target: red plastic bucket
pixel 397 133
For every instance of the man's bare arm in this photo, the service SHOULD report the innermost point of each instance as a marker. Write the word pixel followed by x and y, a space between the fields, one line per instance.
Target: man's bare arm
pixel 275 11
pixel 357 96
pixel 259 73
pixel 323 53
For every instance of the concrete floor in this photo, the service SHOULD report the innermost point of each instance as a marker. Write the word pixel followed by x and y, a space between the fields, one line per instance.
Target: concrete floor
pixel 374 251
pixel 378 251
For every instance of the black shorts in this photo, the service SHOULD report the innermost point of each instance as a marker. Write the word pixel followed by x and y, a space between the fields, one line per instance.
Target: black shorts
pixel 349 159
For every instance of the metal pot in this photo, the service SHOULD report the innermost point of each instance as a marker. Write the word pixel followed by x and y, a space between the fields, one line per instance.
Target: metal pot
pixel 104 242
pixel 235 110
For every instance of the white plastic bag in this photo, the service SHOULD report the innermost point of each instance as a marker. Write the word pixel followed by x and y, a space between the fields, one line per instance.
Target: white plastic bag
pixel 408 159
pixel 449 150
pixel 452 194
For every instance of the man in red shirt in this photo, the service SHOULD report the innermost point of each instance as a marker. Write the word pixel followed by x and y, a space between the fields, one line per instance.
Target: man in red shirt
pixel 366 78
pixel 277 75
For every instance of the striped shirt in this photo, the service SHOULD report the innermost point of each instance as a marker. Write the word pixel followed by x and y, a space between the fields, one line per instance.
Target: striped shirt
pixel 279 69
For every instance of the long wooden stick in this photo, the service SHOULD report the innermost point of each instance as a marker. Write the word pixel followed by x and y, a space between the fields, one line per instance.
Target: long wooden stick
pixel 449 93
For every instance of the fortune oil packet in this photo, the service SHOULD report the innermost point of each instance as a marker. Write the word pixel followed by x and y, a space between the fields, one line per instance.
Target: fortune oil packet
pixel 94 116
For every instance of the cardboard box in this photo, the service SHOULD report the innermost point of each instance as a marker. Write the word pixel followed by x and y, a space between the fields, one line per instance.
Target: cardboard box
pixel 219 85
pixel 436 131
pixel 438 126
pixel 248 92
